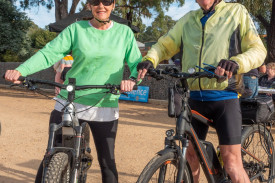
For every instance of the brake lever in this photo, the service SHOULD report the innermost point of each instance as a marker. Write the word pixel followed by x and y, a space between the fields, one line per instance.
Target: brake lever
pixel 221 79
pixel 124 93
pixel 13 85
pixel 152 73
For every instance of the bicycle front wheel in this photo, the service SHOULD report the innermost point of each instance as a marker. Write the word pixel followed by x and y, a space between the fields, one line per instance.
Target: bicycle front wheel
pixel 58 170
pixel 164 169
pixel 257 155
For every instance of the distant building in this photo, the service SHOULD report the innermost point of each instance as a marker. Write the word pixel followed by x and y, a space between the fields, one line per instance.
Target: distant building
pixel 140 44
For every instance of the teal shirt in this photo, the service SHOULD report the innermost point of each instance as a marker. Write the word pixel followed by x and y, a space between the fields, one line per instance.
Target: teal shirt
pixel 99 58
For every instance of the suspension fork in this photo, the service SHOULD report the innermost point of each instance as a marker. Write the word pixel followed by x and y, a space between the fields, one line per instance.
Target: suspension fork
pixel 47 156
pixel 76 161
pixel 182 159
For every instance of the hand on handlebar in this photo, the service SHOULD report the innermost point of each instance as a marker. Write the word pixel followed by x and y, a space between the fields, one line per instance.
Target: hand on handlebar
pixel 142 68
pixel 13 76
pixel 227 67
pixel 127 85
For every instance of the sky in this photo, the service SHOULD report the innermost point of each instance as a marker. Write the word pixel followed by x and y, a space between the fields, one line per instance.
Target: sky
pixel 42 17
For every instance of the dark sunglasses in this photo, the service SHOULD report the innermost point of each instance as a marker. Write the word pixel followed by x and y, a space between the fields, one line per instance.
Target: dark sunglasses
pixel 104 2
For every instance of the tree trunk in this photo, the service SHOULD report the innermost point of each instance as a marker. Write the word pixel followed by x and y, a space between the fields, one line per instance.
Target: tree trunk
pixel 271 37
pixel 61 9
pixel 73 7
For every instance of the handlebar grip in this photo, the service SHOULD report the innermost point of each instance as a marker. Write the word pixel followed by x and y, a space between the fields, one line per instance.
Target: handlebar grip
pixel 21 78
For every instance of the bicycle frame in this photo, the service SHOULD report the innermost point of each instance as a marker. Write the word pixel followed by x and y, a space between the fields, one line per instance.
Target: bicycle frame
pixel 185 133
pixel 79 155
pixel 69 120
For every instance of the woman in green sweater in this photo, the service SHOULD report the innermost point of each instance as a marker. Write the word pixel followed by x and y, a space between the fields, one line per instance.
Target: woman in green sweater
pixel 100 49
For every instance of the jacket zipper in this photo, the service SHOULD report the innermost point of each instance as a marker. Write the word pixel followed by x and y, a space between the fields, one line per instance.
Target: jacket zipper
pixel 203 28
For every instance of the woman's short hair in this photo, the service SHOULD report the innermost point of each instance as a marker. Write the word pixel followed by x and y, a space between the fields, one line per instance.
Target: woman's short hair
pixel 271 65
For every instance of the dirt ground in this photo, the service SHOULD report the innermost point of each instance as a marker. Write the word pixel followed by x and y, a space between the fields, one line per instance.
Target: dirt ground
pixel 24 117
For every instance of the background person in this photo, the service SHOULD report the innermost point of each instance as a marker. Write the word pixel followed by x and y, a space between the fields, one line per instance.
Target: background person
pixel 61 68
pixel 251 81
pixel 268 80
pixel 100 48
pixel 223 35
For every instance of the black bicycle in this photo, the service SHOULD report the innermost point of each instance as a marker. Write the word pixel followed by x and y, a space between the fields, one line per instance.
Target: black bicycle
pixel 70 161
pixel 170 164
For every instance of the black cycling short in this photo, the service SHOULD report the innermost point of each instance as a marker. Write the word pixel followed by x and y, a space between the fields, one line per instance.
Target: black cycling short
pixel 226 116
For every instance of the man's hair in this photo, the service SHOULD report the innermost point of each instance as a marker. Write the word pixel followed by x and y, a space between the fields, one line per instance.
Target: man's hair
pixel 271 65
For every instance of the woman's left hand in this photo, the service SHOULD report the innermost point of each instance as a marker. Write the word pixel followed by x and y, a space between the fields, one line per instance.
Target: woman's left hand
pixel 127 85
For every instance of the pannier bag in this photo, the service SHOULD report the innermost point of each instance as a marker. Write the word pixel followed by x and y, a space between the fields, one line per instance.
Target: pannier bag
pixel 174 101
pixel 258 110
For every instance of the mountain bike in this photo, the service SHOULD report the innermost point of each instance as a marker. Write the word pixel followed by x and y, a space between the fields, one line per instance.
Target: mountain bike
pixel 170 164
pixel 70 161
pixel 257 141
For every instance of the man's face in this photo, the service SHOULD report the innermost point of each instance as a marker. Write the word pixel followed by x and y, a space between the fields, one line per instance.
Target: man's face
pixel 205 4
pixel 270 71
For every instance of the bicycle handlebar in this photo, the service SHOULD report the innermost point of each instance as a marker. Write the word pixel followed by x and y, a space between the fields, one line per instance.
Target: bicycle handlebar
pixel 173 72
pixel 62 86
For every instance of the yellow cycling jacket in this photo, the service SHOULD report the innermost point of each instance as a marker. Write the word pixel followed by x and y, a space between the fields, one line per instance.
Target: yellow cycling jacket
pixel 228 34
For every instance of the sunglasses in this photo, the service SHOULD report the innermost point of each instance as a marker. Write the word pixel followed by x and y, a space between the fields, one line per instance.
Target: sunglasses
pixel 104 2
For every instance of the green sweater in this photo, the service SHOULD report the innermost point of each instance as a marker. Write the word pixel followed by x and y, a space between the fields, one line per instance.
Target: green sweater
pixel 99 58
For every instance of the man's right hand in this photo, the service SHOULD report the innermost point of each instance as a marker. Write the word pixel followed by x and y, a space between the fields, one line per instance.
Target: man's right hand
pixel 12 75
pixel 142 68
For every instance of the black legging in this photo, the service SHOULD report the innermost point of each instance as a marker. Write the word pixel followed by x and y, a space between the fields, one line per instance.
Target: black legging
pixel 104 134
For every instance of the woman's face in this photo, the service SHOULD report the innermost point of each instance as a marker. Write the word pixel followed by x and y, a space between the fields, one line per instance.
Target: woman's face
pixel 270 72
pixel 205 4
pixel 102 9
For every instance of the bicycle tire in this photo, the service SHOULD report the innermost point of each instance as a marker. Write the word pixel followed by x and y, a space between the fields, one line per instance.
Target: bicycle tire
pixel 258 141
pixel 159 166
pixel 85 165
pixel 58 170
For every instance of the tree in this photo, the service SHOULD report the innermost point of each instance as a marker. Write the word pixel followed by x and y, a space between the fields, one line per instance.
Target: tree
pixel 263 11
pixel 161 25
pixel 61 6
pixel 13 28
pixel 41 37
pixel 132 10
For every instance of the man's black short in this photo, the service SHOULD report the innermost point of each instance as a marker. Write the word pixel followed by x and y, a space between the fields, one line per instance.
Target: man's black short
pixel 227 118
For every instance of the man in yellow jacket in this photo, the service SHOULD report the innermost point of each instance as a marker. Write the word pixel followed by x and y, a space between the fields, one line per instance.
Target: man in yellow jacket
pixel 223 35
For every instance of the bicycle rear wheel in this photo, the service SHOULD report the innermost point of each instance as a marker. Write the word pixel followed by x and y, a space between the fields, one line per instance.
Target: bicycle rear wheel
pixel 164 169
pixel 257 155
pixel 58 170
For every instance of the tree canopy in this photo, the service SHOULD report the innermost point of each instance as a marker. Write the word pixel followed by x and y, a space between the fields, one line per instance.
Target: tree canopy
pixel 263 12
pixel 40 37
pixel 133 10
pixel 13 28
pixel 160 26
pixel 61 6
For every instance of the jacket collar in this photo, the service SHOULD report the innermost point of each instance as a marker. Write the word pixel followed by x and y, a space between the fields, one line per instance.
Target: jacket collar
pixel 217 7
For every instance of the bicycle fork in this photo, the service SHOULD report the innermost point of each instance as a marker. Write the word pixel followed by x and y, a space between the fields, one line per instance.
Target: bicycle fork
pixel 182 160
pixel 76 161
pixel 170 145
